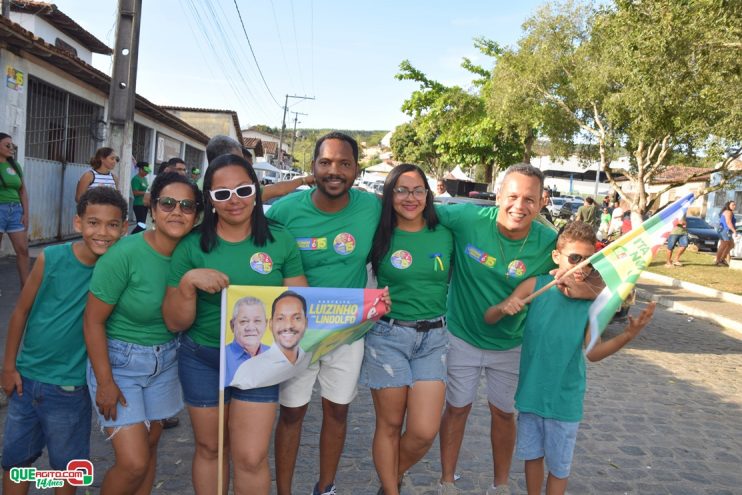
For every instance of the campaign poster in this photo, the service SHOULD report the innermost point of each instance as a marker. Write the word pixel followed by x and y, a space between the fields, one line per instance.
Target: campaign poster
pixel 270 334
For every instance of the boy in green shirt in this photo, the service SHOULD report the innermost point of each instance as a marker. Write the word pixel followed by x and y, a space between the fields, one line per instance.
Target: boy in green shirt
pixel 551 385
pixel 49 401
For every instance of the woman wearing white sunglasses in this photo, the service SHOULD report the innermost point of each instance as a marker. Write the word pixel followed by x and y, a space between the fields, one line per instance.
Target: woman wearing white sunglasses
pixel 231 247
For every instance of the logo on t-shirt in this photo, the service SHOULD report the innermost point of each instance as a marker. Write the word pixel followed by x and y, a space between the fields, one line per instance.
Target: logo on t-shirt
pixel 344 244
pixel 480 256
pixel 401 259
pixel 516 268
pixel 10 171
pixel 261 263
pixel 311 243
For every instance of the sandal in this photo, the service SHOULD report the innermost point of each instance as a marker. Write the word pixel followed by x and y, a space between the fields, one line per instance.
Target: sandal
pixel 668 265
pixel 677 263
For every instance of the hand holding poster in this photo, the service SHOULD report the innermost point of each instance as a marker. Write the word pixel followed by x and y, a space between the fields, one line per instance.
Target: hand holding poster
pixel 270 334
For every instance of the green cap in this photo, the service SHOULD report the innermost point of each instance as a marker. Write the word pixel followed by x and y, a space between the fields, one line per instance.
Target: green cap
pixel 147 169
pixel 196 171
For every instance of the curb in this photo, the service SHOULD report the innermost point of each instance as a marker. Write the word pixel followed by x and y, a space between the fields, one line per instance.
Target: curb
pixel 699 289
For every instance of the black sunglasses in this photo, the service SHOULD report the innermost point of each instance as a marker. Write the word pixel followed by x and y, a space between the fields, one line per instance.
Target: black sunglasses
pixel 575 258
pixel 167 204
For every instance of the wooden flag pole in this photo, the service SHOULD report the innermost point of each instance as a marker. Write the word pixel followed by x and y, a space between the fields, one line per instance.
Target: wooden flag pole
pixel 551 284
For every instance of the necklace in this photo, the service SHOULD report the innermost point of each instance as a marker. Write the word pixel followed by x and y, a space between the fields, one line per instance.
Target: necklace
pixel 516 267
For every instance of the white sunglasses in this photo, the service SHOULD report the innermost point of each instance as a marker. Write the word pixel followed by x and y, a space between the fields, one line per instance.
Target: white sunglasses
pixel 225 194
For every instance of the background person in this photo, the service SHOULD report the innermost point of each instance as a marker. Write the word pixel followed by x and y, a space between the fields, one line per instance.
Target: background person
pixel 100 173
pixel 678 237
pixel 14 206
pixel 411 254
pixel 234 228
pixel 139 186
pixel 133 373
pixel 726 230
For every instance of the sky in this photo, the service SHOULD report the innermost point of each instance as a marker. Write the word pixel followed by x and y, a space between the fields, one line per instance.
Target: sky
pixel 194 53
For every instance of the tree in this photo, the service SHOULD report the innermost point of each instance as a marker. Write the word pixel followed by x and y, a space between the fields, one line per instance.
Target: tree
pixel 647 76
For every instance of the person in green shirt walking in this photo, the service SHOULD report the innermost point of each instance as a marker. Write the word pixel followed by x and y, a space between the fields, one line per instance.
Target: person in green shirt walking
pixel 14 206
pixel 234 245
pixel 139 187
pixel 589 213
pixel 404 360
pixel 133 372
pixel 551 386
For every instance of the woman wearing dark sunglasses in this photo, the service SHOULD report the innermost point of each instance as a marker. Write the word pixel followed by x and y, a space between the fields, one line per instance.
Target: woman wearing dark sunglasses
pixel 100 173
pixel 234 245
pixel 14 205
pixel 133 373
pixel 411 254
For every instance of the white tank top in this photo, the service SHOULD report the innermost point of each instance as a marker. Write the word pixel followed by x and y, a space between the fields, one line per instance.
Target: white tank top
pixel 101 180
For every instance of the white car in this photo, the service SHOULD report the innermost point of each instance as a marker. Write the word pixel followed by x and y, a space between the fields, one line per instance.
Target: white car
pixel 555 205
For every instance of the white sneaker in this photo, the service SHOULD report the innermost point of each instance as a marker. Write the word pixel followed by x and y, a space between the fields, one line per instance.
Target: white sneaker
pixel 498 490
pixel 447 488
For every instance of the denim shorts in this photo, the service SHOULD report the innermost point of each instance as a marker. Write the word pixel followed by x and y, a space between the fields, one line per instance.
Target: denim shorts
pixel 397 356
pixel 725 234
pixel 198 368
pixel 47 415
pixel 551 439
pixel 10 218
pixel 679 239
pixel 148 378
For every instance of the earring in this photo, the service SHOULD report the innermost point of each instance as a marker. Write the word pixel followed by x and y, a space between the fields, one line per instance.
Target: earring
pixel 213 210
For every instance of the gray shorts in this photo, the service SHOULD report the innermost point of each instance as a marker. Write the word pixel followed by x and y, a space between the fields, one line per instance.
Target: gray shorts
pixel 465 365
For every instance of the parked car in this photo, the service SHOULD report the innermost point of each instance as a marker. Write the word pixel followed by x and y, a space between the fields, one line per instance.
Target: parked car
pixel 555 205
pixel 453 200
pixel 568 209
pixel 701 234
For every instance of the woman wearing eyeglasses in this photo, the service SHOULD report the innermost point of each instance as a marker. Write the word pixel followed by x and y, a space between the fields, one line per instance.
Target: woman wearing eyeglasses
pixel 234 245
pixel 100 173
pixel 13 205
pixel 404 363
pixel 133 372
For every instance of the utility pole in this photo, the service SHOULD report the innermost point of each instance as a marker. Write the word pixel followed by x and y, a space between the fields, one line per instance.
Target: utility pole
pixel 283 122
pixel 6 8
pixel 293 136
pixel 123 89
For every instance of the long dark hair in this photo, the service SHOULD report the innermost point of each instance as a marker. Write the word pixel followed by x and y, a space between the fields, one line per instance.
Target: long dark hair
pixel 387 222
pixel 164 180
pixel 261 233
pixel 12 162
pixel 723 209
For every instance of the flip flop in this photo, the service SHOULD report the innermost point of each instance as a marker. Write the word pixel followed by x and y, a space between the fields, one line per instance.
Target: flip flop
pixel 677 263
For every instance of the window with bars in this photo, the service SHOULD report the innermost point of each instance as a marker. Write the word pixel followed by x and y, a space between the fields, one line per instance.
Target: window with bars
pixel 141 142
pixel 59 125
pixel 194 157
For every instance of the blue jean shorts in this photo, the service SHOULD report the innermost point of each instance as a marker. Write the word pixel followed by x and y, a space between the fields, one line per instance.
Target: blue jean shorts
pixel 725 234
pixel 47 415
pixel 551 439
pixel 10 218
pixel 679 239
pixel 148 378
pixel 397 356
pixel 198 368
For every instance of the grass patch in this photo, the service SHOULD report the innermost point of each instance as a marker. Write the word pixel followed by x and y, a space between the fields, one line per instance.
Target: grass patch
pixel 698 268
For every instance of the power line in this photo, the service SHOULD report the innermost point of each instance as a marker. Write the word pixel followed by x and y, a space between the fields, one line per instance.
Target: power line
pixel 296 45
pixel 253 53
pixel 280 43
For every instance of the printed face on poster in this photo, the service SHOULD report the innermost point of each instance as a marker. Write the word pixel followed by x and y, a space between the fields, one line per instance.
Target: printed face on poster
pixel 270 334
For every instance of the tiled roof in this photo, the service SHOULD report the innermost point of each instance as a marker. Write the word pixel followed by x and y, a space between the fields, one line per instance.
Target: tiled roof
pixel 680 173
pixel 235 119
pixel 50 13
pixel 270 147
pixel 254 144
pixel 17 38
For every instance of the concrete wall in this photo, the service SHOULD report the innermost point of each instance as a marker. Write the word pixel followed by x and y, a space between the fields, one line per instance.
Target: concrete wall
pixel 210 124
pixel 49 33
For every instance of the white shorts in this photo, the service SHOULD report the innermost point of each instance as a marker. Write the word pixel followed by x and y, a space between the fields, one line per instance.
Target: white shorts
pixel 465 365
pixel 338 374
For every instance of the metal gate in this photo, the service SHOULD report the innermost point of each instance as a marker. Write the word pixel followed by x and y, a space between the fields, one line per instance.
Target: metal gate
pixel 61 137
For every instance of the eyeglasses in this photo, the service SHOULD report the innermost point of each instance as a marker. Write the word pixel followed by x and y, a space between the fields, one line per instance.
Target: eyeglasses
pixel 404 193
pixel 168 204
pixel 575 258
pixel 225 194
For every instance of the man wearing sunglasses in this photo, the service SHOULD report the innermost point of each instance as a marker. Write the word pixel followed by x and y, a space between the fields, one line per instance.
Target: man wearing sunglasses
pixel 495 248
pixel 334 226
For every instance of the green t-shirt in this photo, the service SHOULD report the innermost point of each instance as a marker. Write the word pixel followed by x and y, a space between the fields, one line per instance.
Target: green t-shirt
pixel 481 278
pixel 243 262
pixel 334 246
pixel 133 277
pixel 588 214
pixel 11 183
pixel 416 271
pixel 53 349
pixel 552 366
pixel 139 184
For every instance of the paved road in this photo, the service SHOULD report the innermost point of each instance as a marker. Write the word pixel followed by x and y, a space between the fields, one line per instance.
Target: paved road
pixel 662 417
